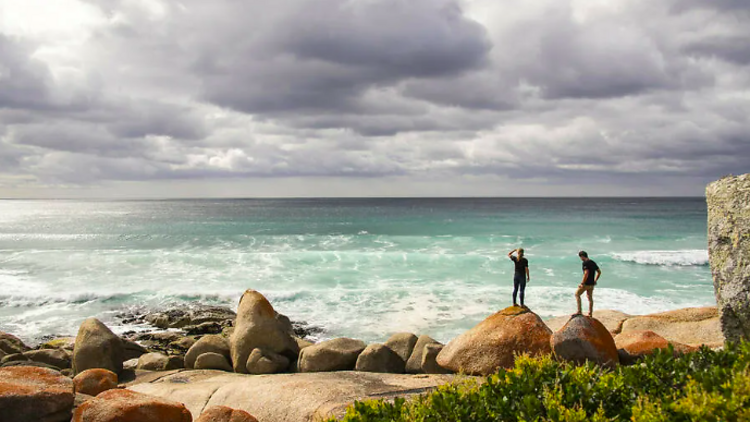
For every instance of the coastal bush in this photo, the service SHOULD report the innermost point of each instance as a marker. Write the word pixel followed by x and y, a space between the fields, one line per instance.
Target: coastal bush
pixel 705 385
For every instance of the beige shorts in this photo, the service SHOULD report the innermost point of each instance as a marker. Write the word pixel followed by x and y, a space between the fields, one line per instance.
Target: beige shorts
pixel 589 289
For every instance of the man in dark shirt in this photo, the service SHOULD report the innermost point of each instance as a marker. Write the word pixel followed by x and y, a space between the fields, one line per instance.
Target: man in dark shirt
pixel 521 274
pixel 591 273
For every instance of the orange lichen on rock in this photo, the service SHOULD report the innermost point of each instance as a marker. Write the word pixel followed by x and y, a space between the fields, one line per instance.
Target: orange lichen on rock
pixel 94 381
pixel 495 342
pixel 129 406
pixel 584 339
pixel 29 393
pixel 225 414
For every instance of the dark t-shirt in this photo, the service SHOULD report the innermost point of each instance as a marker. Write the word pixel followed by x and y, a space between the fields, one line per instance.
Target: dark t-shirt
pixel 521 265
pixel 592 267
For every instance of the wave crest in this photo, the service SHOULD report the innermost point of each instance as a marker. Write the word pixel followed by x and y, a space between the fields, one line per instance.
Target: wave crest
pixel 682 258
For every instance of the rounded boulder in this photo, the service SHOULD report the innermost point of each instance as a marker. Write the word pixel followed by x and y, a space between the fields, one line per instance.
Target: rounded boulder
pixel 266 362
pixel 129 406
pixel 333 355
pixel 97 347
pixel 259 326
pixel 207 344
pixel 225 414
pixel 95 381
pixel 495 342
pixel 35 394
pixel 380 358
pixel 582 339
pixel 212 360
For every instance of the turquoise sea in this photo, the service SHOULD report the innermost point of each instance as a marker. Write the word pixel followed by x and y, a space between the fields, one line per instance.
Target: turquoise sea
pixel 362 268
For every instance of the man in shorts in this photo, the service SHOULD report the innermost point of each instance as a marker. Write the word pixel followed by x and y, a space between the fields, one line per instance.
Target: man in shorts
pixel 520 275
pixel 591 273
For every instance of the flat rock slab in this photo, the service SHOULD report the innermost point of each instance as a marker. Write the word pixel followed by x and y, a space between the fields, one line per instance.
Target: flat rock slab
pixel 286 397
pixel 693 326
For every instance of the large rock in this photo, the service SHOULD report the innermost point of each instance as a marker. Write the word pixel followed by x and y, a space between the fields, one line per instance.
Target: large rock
pixel 729 252
pixel 130 406
pixel 225 414
pixel 257 326
pixel 403 344
pixel 494 342
pixel 613 320
pixel 414 363
pixel 207 344
pixel 333 355
pixel 35 394
pixel 94 381
pixel 585 339
pixel 286 397
pixel 380 358
pixel 693 326
pixel 11 344
pixel 212 360
pixel 57 358
pixel 266 362
pixel 97 347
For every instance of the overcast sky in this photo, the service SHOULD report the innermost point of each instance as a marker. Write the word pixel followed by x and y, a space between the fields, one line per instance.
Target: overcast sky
pixel 163 98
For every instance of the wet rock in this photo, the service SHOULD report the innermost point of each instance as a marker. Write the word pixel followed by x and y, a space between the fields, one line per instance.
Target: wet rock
pixel 132 350
pixel 333 355
pixel 225 414
pixel 97 347
pixel 414 364
pixel 729 253
pixel 57 358
pixel 35 394
pixel 65 343
pixel 95 381
pixel 14 357
pixel 257 326
pixel 204 328
pixel 585 339
pixel 266 362
pixel 212 361
pixel 403 344
pixel 210 343
pixel 495 342
pixel 380 358
pixel 180 318
pixel 129 406
pixel 11 344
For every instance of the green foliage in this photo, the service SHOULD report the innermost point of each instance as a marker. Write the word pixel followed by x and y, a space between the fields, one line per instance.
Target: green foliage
pixel 702 386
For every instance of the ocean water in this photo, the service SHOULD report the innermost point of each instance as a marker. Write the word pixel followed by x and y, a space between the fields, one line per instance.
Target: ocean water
pixel 362 268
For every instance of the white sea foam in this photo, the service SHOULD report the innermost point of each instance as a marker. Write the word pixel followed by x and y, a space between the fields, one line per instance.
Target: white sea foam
pixel 690 257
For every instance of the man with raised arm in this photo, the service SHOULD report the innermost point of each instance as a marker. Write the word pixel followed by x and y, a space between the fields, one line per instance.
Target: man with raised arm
pixel 591 273
pixel 521 274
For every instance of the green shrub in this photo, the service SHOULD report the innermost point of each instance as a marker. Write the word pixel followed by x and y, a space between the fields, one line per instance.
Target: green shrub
pixel 702 386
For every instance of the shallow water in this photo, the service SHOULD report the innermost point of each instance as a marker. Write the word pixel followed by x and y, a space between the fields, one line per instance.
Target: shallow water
pixel 357 267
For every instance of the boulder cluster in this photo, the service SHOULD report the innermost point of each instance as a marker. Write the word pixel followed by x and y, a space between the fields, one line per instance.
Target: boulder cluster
pixel 80 379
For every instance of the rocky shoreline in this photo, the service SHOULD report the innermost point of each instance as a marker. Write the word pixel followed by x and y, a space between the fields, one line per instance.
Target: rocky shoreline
pixel 208 356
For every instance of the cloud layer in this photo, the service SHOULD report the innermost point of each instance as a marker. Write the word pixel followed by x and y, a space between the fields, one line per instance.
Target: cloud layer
pixel 518 97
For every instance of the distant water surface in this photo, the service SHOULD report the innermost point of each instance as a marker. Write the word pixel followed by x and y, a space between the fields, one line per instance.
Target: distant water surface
pixel 362 268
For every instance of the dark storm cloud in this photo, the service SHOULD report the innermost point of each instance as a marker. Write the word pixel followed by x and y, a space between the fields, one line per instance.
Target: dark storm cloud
pixel 322 55
pixel 553 90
